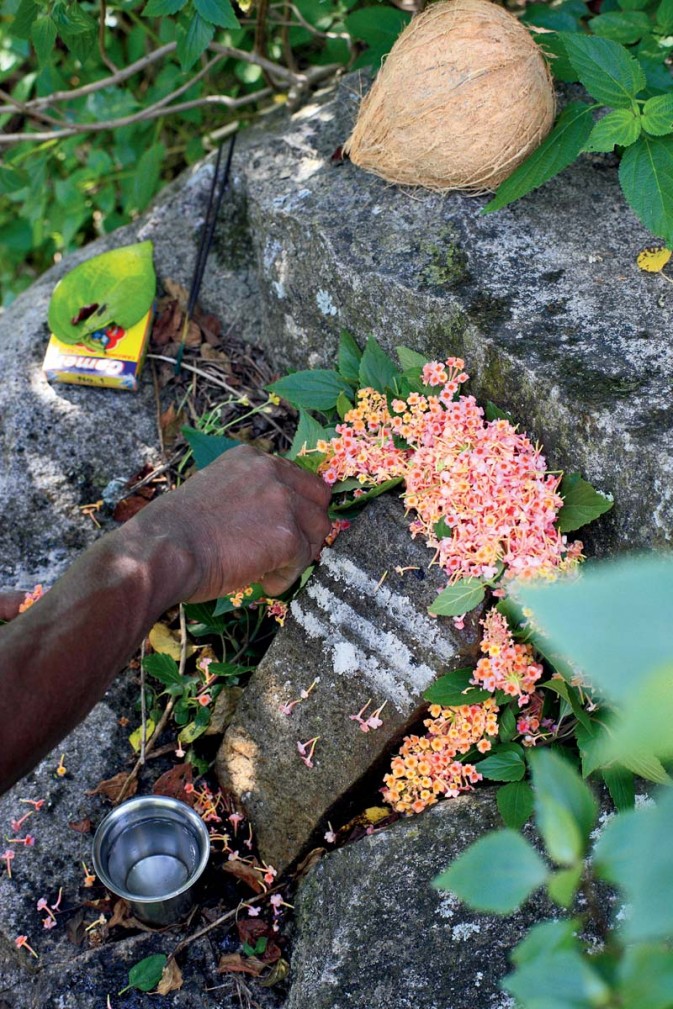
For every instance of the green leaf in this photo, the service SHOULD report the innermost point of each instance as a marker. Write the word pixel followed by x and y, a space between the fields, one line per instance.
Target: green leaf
pixel 309 432
pixel 542 15
pixel 161 8
pixel 343 405
pixel 207 447
pixel 621 786
pixel 565 808
pixel 493 412
pixel 622 26
pixel 193 730
pixel 313 390
pixel 552 46
pixel 507 725
pixel 657 115
pixel 571 695
pixel 26 14
pixel 146 974
pixel 459 598
pixel 562 885
pixel 645 766
pixel 372 493
pixel 410 358
pixel 558 979
pixel 645 977
pixel 515 803
pixel 146 179
pixel 43 36
pixel 376 368
pixel 454 689
pixel 163 668
pixel 495 874
pixel 620 127
pixel 379 28
pixel 349 358
pixel 218 12
pixel 503 765
pixel 665 17
pixel 605 68
pixel 122 280
pixel 547 937
pixel 194 40
pixel 442 529
pixel 135 739
pixel 581 503
pixel 12 179
pixel 560 149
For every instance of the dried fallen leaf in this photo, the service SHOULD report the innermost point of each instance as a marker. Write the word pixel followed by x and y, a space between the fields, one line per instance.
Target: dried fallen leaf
pixel 81 826
pixel 111 787
pixel 167 642
pixel 171 979
pixel 136 737
pixel 654 258
pixel 209 353
pixel 252 929
pixel 172 783
pixel 246 873
pixel 234 963
pixel 168 323
pixel 176 290
pixel 75 928
pixel 307 863
pixel 171 422
pixel 129 507
pixel 278 972
pixel 121 915
pixel 194 337
pixel 272 953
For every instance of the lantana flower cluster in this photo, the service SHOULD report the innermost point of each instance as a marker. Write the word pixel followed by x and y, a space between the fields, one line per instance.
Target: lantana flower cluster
pixel 507 665
pixel 427 767
pixel 485 480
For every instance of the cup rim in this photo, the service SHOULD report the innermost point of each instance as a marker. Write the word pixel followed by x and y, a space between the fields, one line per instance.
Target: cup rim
pixel 161 801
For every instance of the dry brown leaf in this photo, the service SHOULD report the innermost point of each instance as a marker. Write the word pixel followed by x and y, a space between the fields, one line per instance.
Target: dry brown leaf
pixel 121 915
pixel 307 863
pixel 278 972
pixel 194 337
pixel 111 787
pixel 209 353
pixel 176 290
pixel 171 979
pixel 168 324
pixel 246 873
pixel 81 826
pixel 171 422
pixel 172 783
pixel 234 963
pixel 224 710
pixel 167 642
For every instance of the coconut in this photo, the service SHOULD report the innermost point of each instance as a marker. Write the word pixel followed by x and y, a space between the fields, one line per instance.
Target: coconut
pixel 463 97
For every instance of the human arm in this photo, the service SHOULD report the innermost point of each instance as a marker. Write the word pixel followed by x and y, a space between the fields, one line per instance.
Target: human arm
pixel 247 517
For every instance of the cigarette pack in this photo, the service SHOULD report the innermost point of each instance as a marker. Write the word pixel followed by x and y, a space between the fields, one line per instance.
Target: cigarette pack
pixel 115 364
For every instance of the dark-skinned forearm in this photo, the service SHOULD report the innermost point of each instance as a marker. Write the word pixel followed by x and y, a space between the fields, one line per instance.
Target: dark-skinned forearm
pixel 58 658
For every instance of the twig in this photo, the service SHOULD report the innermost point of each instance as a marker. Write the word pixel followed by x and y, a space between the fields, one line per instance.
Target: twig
pixel 198 371
pixel 221 920
pixel 101 38
pixel 143 705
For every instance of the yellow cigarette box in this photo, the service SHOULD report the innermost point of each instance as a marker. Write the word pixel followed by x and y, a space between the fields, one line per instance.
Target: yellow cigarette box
pixel 116 365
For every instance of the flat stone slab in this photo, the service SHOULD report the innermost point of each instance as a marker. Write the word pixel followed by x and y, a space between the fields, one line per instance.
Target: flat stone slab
pixel 371 931
pixel 362 629
pixel 543 299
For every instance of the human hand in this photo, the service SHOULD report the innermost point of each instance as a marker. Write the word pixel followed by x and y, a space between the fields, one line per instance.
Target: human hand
pixel 248 517
pixel 10 600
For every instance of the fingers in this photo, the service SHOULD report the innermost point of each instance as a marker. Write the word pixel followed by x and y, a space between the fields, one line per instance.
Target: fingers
pixel 10 600
pixel 307 484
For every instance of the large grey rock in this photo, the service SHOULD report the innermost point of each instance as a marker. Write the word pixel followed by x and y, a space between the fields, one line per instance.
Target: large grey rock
pixel 365 639
pixel 544 299
pixel 371 931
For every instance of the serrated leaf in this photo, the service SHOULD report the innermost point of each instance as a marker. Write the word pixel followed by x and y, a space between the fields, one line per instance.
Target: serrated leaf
pixel 555 153
pixel 43 37
pixel 558 979
pixel 207 447
pixel 376 368
pixel 25 16
pixel 548 936
pixel 657 115
pixel 605 68
pixel 581 503
pixel 162 8
pixel 343 405
pixel 646 176
pixel 507 726
pixel 218 12
pixel 123 281
pixel 495 874
pixel 455 689
pixel 503 765
pixel 620 127
pixel 146 177
pixel 665 17
pixel 552 46
pixel 349 358
pixel 313 390
pixel 459 598
pixel 515 803
pixel 163 668
pixel 194 40
pixel 410 358
pixel 309 432
pixel 621 26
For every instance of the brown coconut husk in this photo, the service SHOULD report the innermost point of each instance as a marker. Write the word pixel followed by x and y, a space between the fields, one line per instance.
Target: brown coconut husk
pixel 462 99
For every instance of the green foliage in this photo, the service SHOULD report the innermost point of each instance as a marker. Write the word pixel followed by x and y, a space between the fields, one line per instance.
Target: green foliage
pixel 146 974
pixel 455 688
pixel 207 447
pixel 311 390
pixel 581 503
pixel 515 803
pixel 459 598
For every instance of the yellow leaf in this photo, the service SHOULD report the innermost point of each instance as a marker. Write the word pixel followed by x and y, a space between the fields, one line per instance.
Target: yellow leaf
pixel 654 258
pixel 136 737
pixel 167 642
pixel 376 813
pixel 171 979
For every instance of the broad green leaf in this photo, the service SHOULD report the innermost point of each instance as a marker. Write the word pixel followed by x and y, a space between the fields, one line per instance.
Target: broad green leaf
pixel 379 28
pixel 657 116
pixel 376 368
pixel 219 12
pixel 225 605
pixel 146 974
pixel 12 179
pixel 349 358
pixel 146 178
pixel 454 689
pixel 194 40
pixel 410 358
pixel 571 695
pixel 343 405
pixel 507 725
pixel 665 17
pixel 543 15
pixel 646 176
pixel 25 15
pixel 193 730
pixel 135 739
pixel 162 8
pixel 622 127
pixel 605 68
pixel 369 495
pixel 207 447
pixel 622 26
pixel 309 432
pixel 495 874
pixel 560 149
pixel 122 282
pixel 581 503
pixel 442 529
pixel 43 36
pixel 459 598
pixel 621 786
pixel 515 803
pixel 552 46
pixel 645 766
pixel 645 977
pixel 565 809
pixel 503 765
pixel 558 979
pixel 562 885
pixel 163 668
pixel 614 849
pixel 493 412
pixel 547 937
pixel 313 390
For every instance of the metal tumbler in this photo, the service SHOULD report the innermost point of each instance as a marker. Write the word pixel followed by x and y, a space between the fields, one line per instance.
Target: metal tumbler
pixel 151 850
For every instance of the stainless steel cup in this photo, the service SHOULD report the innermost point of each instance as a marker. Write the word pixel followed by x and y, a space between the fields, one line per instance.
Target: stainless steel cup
pixel 151 851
